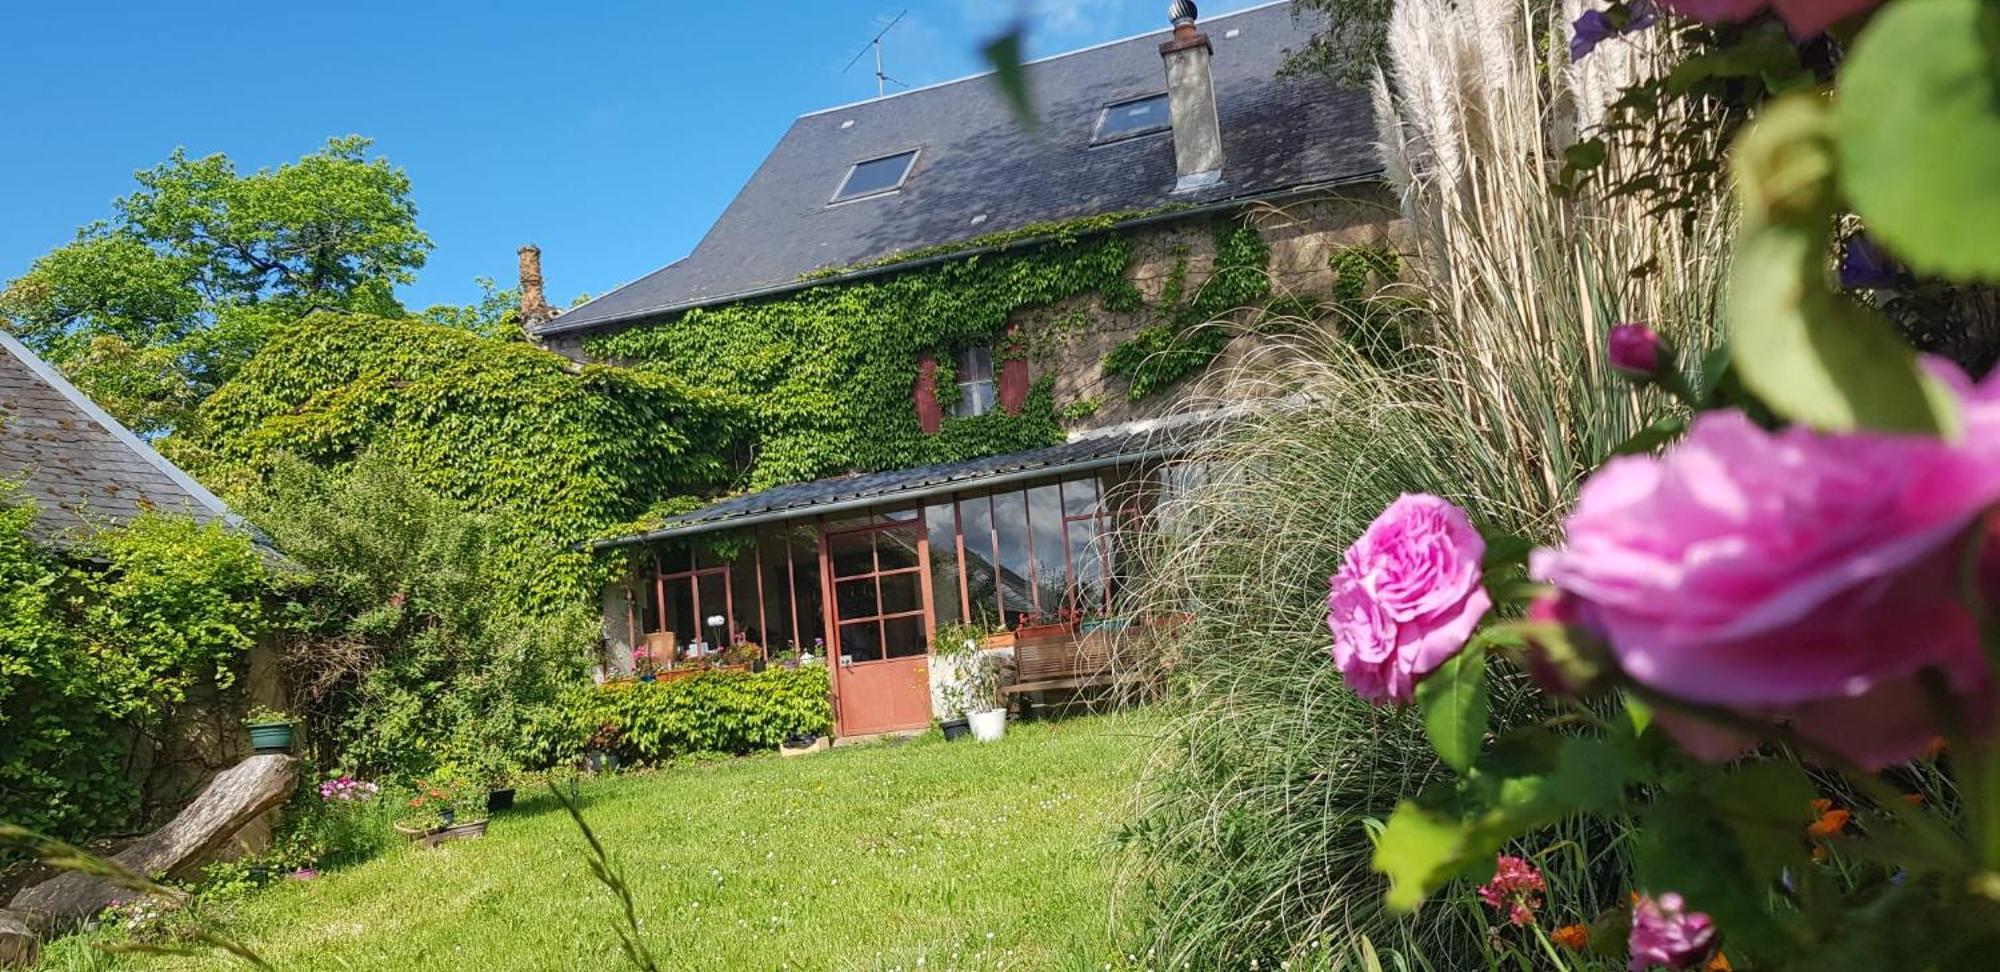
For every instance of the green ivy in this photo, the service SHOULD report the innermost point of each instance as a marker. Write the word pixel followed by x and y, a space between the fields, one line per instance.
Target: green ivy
pixel 97 650
pixel 713 712
pixel 554 451
pixel 1187 337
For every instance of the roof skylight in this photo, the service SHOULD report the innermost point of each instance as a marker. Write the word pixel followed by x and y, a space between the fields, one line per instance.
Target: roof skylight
pixel 876 176
pixel 1138 116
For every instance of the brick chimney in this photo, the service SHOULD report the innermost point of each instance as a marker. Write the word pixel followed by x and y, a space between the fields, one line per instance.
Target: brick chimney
pixel 535 309
pixel 1191 102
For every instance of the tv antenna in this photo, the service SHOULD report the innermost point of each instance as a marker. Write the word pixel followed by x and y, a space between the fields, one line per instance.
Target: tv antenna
pixel 882 80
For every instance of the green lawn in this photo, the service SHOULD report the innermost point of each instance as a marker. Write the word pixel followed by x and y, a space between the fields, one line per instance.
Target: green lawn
pixel 921 854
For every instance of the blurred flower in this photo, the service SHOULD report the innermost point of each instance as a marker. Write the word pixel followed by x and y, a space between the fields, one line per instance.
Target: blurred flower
pixel 1596 26
pixel 1576 938
pixel 1865 266
pixel 1806 18
pixel 1516 888
pixel 1665 933
pixel 1636 351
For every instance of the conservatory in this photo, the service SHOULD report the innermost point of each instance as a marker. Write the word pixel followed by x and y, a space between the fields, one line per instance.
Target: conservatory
pixel 859 572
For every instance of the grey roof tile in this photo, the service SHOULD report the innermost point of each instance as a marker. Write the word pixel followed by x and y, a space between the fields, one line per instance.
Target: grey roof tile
pixel 974 158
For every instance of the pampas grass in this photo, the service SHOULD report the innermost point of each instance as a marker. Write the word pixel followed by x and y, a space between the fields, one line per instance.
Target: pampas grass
pixel 1253 840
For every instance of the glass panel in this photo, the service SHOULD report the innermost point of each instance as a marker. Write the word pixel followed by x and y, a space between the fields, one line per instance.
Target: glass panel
pixel 705 557
pixel 903 515
pixel 902 592
pixel 1045 514
pixel 744 615
pixel 777 614
pixel 809 611
pixel 972 365
pixel 1133 117
pixel 904 636
pixel 855 598
pixel 896 549
pixel 1017 569
pixel 941 529
pixel 646 598
pixel 860 642
pixel 976 398
pixel 1079 497
pixel 1086 561
pixel 981 576
pixel 876 175
pixel 853 554
pixel 681 621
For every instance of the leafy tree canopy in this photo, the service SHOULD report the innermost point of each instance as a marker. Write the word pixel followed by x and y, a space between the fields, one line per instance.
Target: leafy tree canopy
pixel 1356 34
pixel 151 310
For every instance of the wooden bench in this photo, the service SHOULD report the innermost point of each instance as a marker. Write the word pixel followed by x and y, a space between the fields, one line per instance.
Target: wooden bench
pixel 1062 661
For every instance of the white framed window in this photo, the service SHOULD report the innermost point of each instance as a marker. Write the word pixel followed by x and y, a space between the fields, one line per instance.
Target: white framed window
pixel 1129 119
pixel 973 372
pixel 872 177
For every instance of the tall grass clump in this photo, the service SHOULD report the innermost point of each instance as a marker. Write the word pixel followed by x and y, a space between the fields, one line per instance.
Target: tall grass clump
pixel 1252 838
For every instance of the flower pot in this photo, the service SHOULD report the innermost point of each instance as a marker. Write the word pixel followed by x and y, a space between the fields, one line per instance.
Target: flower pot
pixel 1042 631
pixel 988 724
pixel 600 762
pixel 271 737
pixel 498 800
pixel 955 729
pixel 649 677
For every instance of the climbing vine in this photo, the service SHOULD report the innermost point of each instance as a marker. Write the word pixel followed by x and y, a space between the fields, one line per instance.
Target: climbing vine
pixel 1187 335
pixel 828 371
pixel 555 450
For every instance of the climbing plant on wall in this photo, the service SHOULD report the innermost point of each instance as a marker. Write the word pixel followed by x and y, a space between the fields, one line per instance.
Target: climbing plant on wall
pixel 1187 335
pixel 559 451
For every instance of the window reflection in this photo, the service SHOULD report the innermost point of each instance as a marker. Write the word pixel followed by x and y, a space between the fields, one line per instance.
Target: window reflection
pixel 941 530
pixel 982 573
pixel 1017 565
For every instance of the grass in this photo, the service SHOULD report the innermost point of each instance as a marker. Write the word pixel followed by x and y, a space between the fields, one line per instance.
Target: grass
pixel 921 854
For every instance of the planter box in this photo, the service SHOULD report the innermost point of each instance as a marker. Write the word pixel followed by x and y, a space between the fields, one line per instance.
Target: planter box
pixel 1004 639
pixel 817 745
pixel 271 737
pixel 1040 631
pixel 438 835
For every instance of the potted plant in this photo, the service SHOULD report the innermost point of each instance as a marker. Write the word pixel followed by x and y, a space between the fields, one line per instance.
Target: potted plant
pixel 643 665
pixel 444 810
pixel 957 649
pixel 598 754
pixel 270 730
pixel 983 711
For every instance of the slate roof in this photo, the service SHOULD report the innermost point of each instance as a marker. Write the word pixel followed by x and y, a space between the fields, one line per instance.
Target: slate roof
pixel 878 488
pixel 82 468
pixel 1278 134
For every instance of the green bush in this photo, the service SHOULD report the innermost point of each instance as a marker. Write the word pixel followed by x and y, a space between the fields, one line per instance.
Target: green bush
pixel 713 712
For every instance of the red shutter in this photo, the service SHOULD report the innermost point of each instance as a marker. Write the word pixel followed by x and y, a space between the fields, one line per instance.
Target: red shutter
pixel 929 416
pixel 1013 375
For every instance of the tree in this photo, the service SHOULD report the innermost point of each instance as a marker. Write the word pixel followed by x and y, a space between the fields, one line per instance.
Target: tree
pixel 154 308
pixel 1356 34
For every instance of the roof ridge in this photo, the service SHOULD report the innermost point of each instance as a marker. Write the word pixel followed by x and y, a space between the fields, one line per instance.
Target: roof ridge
pixel 1040 60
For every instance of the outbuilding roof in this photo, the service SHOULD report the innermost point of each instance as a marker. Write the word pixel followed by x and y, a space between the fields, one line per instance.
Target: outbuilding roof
pixel 81 467
pixel 977 171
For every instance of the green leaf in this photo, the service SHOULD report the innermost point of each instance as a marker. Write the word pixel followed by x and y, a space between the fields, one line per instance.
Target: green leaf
pixel 1418 852
pixel 1918 109
pixel 1453 700
pixel 1810 354
pixel 1504 549
pixel 1685 847
pixel 1662 431
pixel 1003 53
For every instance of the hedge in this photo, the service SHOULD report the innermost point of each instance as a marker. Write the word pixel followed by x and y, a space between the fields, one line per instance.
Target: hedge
pixel 714 712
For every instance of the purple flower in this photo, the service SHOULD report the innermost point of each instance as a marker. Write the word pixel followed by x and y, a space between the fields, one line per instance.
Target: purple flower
pixel 1597 26
pixel 1406 598
pixel 1665 933
pixel 1636 351
pixel 1865 266
pixel 304 874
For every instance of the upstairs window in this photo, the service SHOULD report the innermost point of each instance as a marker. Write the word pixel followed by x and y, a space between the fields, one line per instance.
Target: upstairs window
pixel 1128 119
pixel 973 372
pixel 876 176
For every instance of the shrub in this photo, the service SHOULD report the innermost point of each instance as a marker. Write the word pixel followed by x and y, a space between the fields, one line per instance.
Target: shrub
pixel 713 712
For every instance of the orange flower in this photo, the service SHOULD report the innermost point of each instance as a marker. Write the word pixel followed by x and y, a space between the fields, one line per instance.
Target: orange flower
pixel 1720 963
pixel 1829 825
pixel 1935 749
pixel 1821 806
pixel 1572 937
pixel 1914 799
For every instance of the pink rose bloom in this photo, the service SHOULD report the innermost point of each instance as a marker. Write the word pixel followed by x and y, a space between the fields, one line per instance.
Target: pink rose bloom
pixel 1806 18
pixel 1635 350
pixel 1792 574
pixel 1516 888
pixel 1665 933
pixel 1407 597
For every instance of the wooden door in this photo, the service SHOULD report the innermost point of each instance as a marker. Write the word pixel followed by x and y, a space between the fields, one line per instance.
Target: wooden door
pixel 878 595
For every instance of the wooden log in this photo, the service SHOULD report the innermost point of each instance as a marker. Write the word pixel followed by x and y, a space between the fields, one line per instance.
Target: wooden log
pixel 20 947
pixel 233 799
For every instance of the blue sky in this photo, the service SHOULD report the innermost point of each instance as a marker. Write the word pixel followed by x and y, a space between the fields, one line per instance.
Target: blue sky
pixel 610 133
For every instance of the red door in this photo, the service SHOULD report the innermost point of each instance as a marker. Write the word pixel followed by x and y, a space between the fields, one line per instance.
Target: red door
pixel 878 579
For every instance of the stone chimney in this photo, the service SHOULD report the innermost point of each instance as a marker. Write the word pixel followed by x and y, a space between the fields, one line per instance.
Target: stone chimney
pixel 535 309
pixel 1191 102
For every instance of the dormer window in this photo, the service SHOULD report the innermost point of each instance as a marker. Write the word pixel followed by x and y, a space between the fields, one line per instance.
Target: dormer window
pixel 874 177
pixel 973 372
pixel 1129 119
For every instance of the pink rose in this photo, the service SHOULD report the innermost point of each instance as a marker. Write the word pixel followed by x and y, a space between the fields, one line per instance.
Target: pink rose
pixel 1806 18
pixel 1792 574
pixel 1665 933
pixel 1635 351
pixel 1407 597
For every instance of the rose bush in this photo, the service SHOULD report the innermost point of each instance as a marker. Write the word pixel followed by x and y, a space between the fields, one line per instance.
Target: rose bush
pixel 1407 597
